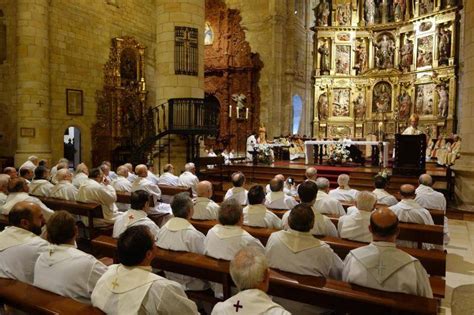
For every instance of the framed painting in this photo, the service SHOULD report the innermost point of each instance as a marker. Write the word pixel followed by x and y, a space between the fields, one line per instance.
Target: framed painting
pixel 74 102
pixel 27 132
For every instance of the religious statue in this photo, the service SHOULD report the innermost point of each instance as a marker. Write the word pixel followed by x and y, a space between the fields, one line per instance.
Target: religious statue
pixel 426 6
pixel 323 107
pixel 322 13
pixel 382 97
pixel 425 51
pixel 406 55
pixel 343 14
pixel 341 103
pixel 359 107
pixel 444 46
pixel 399 9
pixel 370 12
pixel 262 135
pixel 343 59
pixel 208 34
pixel 443 100
pixel 324 61
pixel 404 105
pixel 361 58
pixel 384 54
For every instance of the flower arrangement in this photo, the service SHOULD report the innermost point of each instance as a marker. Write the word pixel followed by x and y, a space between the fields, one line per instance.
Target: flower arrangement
pixel 385 174
pixel 264 154
pixel 339 154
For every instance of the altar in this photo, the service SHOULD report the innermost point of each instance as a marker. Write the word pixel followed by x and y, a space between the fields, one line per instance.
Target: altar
pixel 309 148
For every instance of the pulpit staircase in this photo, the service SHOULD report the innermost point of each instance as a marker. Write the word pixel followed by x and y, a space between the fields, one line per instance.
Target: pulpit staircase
pixel 190 118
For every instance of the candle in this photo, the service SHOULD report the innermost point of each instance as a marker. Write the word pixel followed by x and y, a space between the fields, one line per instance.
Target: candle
pixel 380 126
pixel 247 113
pixel 230 111
pixel 238 113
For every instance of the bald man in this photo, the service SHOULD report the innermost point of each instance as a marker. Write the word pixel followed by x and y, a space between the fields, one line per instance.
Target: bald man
pixel 168 177
pixel 82 173
pixel 188 178
pixel 64 189
pixel 353 226
pixel 276 198
pixel 20 244
pixel 237 192
pixel 4 179
pixel 143 183
pixel 344 192
pixel 10 171
pixel 381 265
pixel 122 184
pixel 131 174
pixel 289 187
pixel 204 207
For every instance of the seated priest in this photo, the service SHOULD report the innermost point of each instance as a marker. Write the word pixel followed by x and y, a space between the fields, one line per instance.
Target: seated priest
pixel 60 165
pixel 27 174
pixel 40 185
pixel 98 189
pixel 131 174
pixel 256 214
pixel 168 178
pixel 237 192
pixel 64 269
pixel 131 288
pixel 276 198
pixel 10 171
pixel 250 273
pixel 143 183
pixel 307 192
pixel 289 187
pixel 380 265
pixel 343 192
pixel 353 226
pixel 20 244
pixel 31 163
pixel 409 211
pixel 324 203
pixel 136 215
pixel 64 189
pixel 204 207
pixel 180 235
pixel 188 178
pixel 4 179
pixel 383 197
pixel 122 184
pixel 82 174
pixel 311 173
pixel 18 191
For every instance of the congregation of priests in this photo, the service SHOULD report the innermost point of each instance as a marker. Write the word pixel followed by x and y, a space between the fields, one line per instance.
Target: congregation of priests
pixel 39 245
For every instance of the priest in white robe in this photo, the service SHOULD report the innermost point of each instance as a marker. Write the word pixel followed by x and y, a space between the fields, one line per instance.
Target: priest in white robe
pixel 381 265
pixel 137 215
pixel 132 288
pixel 324 203
pixel 180 235
pixel 81 176
pixel 40 185
pixel 10 171
pixel 131 172
pixel 122 184
pixel 413 130
pixel 143 183
pixel 250 273
pixel 383 197
pixel 98 189
pixel 204 207
pixel 4 179
pixel 409 211
pixel 429 198
pixel 20 244
pixel 237 192
pixel 276 198
pixel 61 165
pixel 168 178
pixel 256 213
pixel 17 192
pixel 295 249
pixel 354 226
pixel 30 164
pixel 323 226
pixel 64 189
pixel 344 192
pixel 289 187
pixel 251 144
pixel 64 269
pixel 188 178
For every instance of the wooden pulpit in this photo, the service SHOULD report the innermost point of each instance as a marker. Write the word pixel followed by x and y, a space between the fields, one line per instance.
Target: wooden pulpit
pixel 410 155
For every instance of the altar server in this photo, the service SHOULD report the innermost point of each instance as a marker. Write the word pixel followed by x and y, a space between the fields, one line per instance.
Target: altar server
pixel 188 178
pixel 168 178
pixel 324 203
pixel 383 197
pixel 381 265
pixel 122 184
pixel 131 288
pixel 40 185
pixel 63 269
pixel 237 192
pixel 354 226
pixel 204 207
pixel 276 198
pixel 343 192
pixel 64 189
pixel 256 214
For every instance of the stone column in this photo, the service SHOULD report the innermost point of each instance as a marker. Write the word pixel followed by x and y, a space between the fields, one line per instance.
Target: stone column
pixel 33 90
pixel 464 167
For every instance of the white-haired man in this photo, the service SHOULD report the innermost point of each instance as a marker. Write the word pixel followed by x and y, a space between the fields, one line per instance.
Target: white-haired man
pixel 249 271
pixel 237 192
pixel 82 175
pixel 64 189
pixel 143 183
pixel 204 207
pixel 276 198
pixel 30 164
pixel 131 174
pixel 354 226
pixel 344 192
pixel 122 184
pixel 188 177
pixel 311 173
pixel 62 163
pixel 4 179
pixel 324 203
pixel 168 177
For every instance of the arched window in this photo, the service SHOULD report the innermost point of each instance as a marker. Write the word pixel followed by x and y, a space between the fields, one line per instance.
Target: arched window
pixel 72 145
pixel 297 113
pixel 3 38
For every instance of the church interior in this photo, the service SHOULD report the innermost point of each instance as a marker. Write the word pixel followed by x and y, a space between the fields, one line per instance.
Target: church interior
pixel 235 156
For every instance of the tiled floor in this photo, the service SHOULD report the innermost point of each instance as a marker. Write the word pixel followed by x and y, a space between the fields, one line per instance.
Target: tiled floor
pixel 460 260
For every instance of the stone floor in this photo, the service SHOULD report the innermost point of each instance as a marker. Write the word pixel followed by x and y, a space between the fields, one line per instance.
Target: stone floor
pixel 460 259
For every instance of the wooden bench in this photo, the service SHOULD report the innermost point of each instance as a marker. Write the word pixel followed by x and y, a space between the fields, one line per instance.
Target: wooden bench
pixel 338 295
pixel 434 261
pixel 167 192
pixel 32 300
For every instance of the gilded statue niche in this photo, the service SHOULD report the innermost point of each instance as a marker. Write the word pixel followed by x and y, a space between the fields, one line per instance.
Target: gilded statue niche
pixel 382 97
pixel 341 103
pixel 424 52
pixel 424 101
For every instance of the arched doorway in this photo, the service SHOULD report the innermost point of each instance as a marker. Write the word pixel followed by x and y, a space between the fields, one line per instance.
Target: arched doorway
pixel 297 113
pixel 72 145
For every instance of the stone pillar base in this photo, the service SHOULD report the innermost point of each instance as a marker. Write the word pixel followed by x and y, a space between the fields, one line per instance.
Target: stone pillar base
pixel 464 179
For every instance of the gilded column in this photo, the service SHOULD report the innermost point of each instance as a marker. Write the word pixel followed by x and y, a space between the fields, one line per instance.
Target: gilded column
pixel 32 69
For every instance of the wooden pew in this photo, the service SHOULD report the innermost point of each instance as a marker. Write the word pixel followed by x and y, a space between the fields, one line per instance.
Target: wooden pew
pixel 167 192
pixel 343 297
pixel 89 210
pixel 32 300
pixel 434 261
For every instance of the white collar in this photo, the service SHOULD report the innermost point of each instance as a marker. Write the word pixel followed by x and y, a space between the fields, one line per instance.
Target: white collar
pixel 178 224
pixel 298 241
pixel 228 231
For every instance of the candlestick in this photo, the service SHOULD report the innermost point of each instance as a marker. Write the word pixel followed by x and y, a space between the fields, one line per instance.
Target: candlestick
pixel 238 113
pixel 230 111
pixel 247 113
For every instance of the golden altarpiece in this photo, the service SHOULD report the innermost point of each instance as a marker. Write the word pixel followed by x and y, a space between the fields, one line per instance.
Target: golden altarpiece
pixel 378 61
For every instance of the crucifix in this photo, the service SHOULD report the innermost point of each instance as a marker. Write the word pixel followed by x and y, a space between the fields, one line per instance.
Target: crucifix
pixel 186 46
pixel 237 306
pixel 115 283
pixel 39 103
